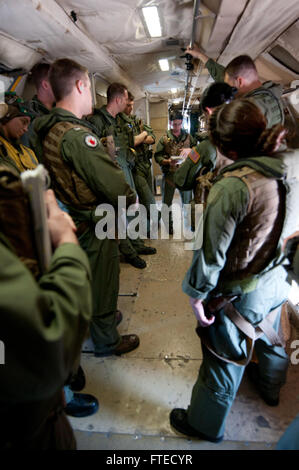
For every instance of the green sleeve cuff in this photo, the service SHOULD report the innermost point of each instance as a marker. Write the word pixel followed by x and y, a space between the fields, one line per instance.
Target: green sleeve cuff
pixel 192 292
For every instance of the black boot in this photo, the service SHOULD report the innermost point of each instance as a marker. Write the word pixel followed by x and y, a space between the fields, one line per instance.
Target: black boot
pixel 82 405
pixel 179 421
pixel 147 250
pixel 137 262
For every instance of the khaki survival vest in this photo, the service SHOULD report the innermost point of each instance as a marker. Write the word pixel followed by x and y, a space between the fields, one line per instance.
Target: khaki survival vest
pixel 272 106
pixel 173 148
pixel 256 237
pixel 68 186
pixel 205 181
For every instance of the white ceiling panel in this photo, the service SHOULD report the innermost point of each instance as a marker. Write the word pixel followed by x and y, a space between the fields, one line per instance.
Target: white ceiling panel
pixel 261 23
pixel 109 37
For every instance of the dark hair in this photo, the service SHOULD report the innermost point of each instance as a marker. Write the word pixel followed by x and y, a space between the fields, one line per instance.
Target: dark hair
pixel 241 127
pixel 216 94
pixel 241 66
pixel 114 90
pixel 63 75
pixel 38 73
pixel 130 96
pixel 176 116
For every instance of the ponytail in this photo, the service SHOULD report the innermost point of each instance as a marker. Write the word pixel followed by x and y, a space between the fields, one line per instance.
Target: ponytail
pixel 240 128
pixel 270 139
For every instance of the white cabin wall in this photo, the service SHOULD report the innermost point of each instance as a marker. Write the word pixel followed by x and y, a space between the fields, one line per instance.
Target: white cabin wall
pixel 140 109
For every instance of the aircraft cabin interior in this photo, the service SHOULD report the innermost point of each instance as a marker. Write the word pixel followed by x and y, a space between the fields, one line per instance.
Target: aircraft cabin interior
pixel 143 44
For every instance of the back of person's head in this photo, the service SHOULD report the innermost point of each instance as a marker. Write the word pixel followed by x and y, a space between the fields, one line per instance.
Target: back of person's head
pixel 115 90
pixel 217 94
pixel 39 73
pixel 241 66
pixel 63 75
pixel 241 128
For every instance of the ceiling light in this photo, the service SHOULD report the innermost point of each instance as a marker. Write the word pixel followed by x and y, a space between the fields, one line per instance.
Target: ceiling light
pixel 152 20
pixel 164 65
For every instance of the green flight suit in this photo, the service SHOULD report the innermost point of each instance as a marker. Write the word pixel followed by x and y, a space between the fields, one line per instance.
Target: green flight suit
pixel 127 160
pixel 36 109
pixel 122 133
pixel 142 172
pixel 107 126
pixel 218 381
pixel 107 182
pixel 43 324
pixel 203 156
pixel 267 96
pixel 168 185
pixel 126 155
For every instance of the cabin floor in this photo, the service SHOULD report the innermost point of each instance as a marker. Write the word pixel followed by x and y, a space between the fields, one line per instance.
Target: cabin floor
pixel 138 390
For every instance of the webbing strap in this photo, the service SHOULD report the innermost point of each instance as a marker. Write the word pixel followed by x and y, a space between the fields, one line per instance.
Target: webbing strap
pixel 268 330
pixel 252 333
pixel 265 327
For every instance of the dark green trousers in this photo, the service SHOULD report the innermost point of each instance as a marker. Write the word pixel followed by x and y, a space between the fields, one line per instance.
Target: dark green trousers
pixel 104 262
pixel 143 183
pixel 168 189
pixel 129 247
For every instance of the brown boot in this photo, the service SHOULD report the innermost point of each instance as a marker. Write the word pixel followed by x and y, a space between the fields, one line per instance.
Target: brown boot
pixel 128 343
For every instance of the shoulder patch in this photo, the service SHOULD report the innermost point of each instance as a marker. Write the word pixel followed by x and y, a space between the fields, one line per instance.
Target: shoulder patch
pixel 194 155
pixel 91 141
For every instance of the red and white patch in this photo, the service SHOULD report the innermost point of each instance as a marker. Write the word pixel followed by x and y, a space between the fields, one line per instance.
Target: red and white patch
pixel 91 141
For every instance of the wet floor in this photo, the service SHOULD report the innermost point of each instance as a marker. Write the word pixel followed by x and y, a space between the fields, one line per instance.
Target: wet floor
pixel 137 391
